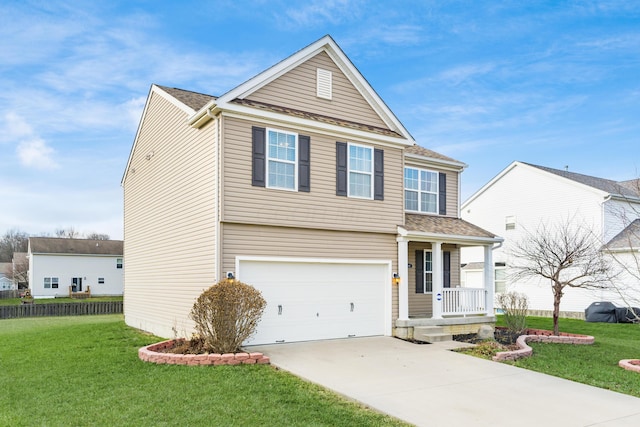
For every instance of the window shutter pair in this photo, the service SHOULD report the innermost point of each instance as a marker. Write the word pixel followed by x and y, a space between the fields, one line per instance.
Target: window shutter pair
pixel 259 160
pixel 342 173
pixel 446 270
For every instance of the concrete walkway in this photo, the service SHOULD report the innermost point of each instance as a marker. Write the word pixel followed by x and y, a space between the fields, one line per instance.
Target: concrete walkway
pixel 428 385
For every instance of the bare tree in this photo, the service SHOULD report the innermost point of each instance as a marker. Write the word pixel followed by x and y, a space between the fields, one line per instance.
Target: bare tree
pixel 97 236
pixel 566 254
pixel 13 240
pixel 68 233
pixel 18 270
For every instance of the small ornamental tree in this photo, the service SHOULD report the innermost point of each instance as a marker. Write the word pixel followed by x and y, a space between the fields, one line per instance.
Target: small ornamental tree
pixel 227 314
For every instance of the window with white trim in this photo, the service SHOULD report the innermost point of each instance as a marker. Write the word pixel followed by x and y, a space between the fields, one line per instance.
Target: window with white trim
pixel 360 171
pixel 420 190
pixel 282 164
pixel 51 283
pixel 428 272
pixel 500 278
pixel 101 280
pixel 118 262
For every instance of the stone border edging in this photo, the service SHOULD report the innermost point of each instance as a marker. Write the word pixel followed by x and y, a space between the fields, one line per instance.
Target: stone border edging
pixel 539 335
pixel 630 364
pixel 153 354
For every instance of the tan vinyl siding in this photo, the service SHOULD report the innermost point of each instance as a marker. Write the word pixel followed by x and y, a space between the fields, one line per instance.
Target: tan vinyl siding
pixel 320 208
pixel 452 185
pixel 170 220
pixel 254 240
pixel 420 305
pixel 297 89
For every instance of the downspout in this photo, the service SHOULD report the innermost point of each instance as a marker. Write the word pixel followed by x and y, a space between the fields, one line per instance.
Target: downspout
pixel 218 178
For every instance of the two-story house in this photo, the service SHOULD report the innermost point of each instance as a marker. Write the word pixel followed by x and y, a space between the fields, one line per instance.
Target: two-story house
pixel 523 196
pixel 302 183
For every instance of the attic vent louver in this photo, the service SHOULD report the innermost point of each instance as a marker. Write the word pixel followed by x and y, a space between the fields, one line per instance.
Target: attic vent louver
pixel 323 83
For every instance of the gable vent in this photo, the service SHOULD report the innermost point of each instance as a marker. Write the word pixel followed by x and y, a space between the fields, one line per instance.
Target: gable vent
pixel 324 84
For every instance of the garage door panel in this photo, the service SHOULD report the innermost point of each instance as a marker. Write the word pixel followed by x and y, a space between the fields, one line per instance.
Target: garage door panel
pixel 310 301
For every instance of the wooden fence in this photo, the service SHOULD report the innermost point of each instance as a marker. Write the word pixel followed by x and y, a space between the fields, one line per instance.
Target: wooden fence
pixel 60 309
pixel 6 294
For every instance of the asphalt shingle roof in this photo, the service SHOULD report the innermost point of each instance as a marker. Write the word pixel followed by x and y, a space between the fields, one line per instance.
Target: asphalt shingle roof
pixel 57 245
pixel 624 188
pixel 627 238
pixel 443 225
pixel 191 99
pixel 421 151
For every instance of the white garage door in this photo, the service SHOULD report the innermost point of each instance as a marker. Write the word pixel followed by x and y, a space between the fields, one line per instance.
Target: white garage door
pixel 311 300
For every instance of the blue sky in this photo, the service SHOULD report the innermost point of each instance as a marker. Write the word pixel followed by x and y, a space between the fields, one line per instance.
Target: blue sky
pixel 554 83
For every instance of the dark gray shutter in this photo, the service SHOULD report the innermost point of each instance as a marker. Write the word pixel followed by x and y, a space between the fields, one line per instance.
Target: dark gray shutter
pixel 419 272
pixel 378 174
pixel 446 269
pixel 341 169
pixel 258 167
pixel 304 163
pixel 442 197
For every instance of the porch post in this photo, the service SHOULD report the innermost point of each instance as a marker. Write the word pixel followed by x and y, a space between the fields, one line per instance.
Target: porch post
pixel 489 277
pixel 436 295
pixel 403 272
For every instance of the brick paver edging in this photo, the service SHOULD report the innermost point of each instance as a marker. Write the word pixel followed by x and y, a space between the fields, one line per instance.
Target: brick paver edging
pixel 153 353
pixel 630 364
pixel 539 335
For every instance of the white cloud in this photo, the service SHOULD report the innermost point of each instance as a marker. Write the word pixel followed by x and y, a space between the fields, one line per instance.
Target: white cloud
pixel 32 150
pixel 35 153
pixel 320 12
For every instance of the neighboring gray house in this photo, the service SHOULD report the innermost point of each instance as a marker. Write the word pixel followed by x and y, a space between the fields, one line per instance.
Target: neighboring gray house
pixel 58 266
pixel 6 282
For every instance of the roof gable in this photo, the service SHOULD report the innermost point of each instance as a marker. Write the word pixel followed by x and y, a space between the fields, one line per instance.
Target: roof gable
pixel 324 45
pixel 62 246
pixel 629 238
pixel 604 187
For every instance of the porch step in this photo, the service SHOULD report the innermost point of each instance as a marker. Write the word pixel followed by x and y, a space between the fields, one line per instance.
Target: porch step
pixel 431 334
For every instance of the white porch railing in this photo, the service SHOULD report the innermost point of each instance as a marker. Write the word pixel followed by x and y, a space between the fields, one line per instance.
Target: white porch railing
pixel 461 301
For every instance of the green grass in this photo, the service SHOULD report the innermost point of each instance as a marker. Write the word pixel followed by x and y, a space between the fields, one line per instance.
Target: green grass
pixel 84 371
pixel 16 301
pixel 595 364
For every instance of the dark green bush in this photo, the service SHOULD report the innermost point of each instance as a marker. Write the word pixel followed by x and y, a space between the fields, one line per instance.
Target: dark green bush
pixel 227 314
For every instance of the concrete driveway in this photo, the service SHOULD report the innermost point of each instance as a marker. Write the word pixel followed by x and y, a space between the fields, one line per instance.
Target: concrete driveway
pixel 428 385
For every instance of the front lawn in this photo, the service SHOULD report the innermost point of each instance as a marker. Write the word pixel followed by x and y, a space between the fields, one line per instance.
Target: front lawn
pixel 84 371
pixel 595 364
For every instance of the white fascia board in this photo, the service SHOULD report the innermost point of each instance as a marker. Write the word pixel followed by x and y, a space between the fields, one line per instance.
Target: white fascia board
pixel 443 164
pixel 352 135
pixel 446 238
pixel 488 184
pixel 155 89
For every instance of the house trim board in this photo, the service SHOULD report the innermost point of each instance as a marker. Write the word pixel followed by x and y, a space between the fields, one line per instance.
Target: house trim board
pixel 387 289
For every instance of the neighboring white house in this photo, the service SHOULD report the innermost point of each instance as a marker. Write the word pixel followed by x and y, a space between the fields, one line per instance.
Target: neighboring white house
pixel 523 196
pixel 57 266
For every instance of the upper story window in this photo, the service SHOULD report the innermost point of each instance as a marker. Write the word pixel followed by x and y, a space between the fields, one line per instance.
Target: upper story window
pixel 282 159
pixel 421 190
pixel 118 262
pixel 360 171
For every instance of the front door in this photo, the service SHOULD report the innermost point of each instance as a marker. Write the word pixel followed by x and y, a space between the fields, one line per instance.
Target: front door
pixel 76 284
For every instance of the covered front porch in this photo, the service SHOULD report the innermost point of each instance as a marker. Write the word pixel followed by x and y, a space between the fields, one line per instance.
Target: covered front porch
pixel 430 292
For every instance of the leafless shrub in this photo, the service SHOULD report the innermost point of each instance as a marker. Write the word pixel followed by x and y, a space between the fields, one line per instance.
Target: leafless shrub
pixel 514 306
pixel 227 314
